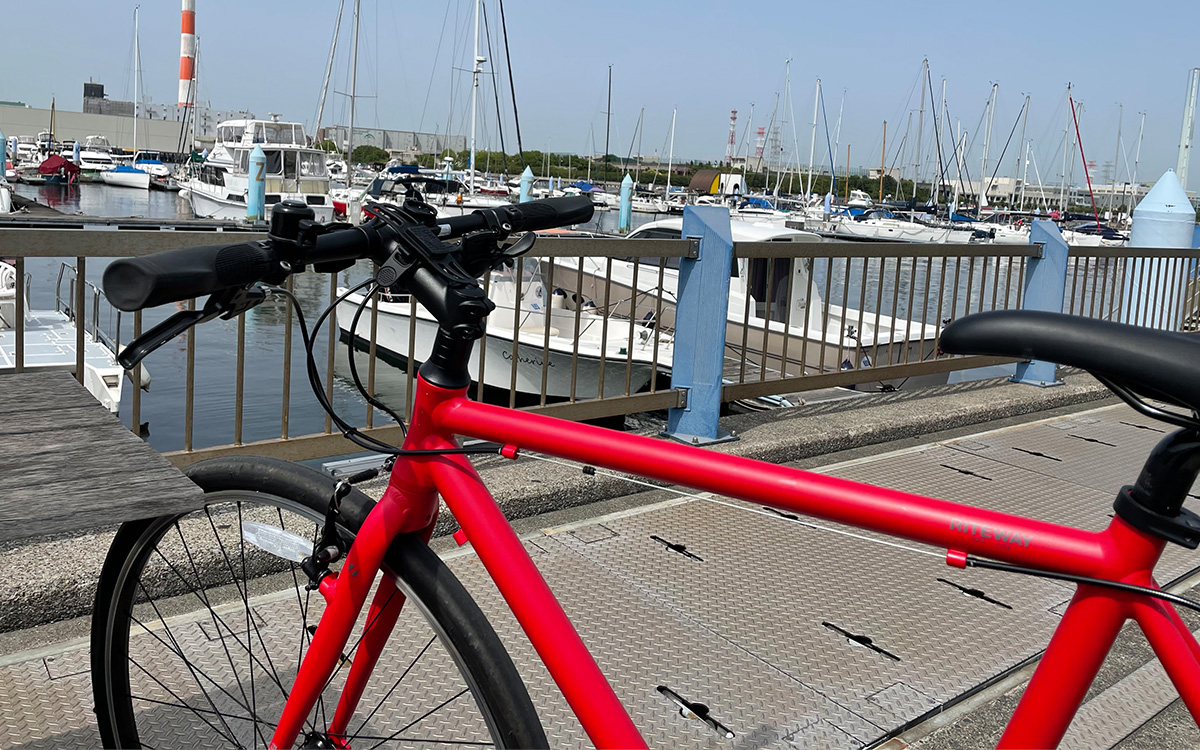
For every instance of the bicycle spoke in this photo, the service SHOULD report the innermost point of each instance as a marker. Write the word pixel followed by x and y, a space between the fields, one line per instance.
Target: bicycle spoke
pixel 396 735
pixel 219 620
pixel 177 650
pixel 200 581
pixel 403 674
pixel 189 707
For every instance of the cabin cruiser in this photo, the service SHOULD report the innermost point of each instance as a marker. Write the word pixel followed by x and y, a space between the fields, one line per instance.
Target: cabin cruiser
pixel 217 188
pixel 96 154
pixel 27 150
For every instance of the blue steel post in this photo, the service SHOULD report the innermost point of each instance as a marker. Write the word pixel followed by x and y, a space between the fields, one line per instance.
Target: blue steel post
pixel 526 184
pixel 256 195
pixel 1045 287
pixel 700 312
pixel 626 216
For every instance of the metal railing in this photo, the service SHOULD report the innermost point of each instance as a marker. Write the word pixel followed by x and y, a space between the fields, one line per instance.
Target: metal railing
pixel 1154 287
pixel 586 331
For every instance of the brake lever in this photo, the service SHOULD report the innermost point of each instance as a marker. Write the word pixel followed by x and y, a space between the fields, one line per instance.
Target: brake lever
pixel 224 304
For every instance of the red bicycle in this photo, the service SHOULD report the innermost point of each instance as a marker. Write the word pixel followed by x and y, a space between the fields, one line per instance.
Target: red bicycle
pixel 235 625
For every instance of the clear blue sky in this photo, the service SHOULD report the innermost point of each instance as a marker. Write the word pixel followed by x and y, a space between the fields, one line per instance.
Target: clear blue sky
pixel 703 57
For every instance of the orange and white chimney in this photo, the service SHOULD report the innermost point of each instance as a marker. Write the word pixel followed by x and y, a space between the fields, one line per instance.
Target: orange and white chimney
pixel 187 54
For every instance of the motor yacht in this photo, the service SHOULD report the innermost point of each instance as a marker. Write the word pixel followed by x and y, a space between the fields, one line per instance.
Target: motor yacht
pixel 217 188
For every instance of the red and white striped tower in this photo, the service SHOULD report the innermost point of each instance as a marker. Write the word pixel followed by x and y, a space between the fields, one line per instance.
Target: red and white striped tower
pixel 732 136
pixel 187 54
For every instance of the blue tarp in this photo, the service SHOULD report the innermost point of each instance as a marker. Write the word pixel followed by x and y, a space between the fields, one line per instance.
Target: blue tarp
pixel 757 203
pixel 960 217
pixel 586 187
pixel 404 169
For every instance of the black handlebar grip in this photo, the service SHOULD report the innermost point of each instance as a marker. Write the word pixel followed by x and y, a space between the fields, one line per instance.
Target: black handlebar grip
pixel 551 213
pixel 136 283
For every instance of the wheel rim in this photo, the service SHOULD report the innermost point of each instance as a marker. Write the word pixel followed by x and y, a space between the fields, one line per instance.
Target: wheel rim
pixel 217 629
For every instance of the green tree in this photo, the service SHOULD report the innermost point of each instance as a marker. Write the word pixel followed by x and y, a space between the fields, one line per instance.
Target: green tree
pixel 367 154
pixel 328 146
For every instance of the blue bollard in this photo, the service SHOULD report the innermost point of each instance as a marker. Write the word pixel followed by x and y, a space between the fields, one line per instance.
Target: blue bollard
pixel 256 193
pixel 526 185
pixel 75 152
pixel 626 216
pixel 1045 287
pixel 700 311
pixel 3 153
pixel 1164 218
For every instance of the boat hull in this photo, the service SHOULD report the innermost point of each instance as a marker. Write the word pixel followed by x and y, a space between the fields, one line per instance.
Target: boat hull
pixel 534 362
pixel 138 180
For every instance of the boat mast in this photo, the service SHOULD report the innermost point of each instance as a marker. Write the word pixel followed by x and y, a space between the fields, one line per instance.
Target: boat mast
pixel 607 122
pixel 136 98
pixel 959 144
pixel 812 148
pixel 1136 158
pixel 1024 176
pixel 882 161
pixel 1076 113
pixel 1024 122
pixel 1189 126
pixel 337 26
pixel 353 90
pixel 987 142
pixel 1112 190
pixel 476 69
pixel 1062 188
pixel 938 133
pixel 920 126
pixel 670 156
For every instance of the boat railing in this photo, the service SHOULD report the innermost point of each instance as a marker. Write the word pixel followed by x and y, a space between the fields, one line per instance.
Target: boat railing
pixel 803 316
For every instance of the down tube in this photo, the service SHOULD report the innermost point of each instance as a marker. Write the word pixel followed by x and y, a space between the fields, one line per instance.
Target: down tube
pixel 550 631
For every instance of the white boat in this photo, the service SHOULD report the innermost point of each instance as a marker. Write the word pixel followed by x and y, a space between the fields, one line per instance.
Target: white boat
pixel 6 204
pixel 27 150
pixel 50 338
pixel 538 332
pixel 446 194
pixel 881 224
pixel 124 175
pixel 824 337
pixel 150 162
pixel 218 187
pixel 96 154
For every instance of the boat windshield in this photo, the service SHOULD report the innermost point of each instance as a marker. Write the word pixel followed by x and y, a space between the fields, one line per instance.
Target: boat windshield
pixel 289 164
pixel 97 143
pixel 279 132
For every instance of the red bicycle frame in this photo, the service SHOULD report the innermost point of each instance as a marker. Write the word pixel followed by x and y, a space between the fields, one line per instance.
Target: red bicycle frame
pixel 1067 669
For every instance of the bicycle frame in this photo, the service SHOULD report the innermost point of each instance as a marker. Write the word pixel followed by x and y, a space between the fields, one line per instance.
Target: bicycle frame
pixel 1063 676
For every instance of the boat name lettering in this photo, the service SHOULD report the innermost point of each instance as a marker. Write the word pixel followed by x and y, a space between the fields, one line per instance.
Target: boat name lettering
pixel 525 360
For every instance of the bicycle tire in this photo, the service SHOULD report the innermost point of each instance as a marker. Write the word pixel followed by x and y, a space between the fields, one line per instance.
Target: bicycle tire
pixel 267 488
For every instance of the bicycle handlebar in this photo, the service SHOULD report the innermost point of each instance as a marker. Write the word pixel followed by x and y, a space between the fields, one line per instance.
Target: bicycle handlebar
pixel 135 283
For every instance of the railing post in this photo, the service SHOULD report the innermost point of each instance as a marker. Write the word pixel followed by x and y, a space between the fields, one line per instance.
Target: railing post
pixel 701 308
pixel 526 186
pixel 1045 288
pixel 625 217
pixel 256 195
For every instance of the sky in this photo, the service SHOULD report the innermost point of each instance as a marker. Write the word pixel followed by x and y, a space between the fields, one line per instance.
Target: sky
pixel 698 57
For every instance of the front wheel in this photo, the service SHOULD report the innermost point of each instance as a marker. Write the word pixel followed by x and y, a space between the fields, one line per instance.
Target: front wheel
pixel 197 635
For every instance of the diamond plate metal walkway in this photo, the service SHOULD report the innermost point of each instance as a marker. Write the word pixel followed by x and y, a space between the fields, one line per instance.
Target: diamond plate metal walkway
pixel 793 634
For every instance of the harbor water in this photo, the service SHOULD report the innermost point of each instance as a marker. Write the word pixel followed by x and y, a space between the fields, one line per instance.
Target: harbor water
pixel 163 408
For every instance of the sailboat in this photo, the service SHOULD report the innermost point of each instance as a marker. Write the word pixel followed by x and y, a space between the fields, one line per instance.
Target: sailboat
pixel 124 175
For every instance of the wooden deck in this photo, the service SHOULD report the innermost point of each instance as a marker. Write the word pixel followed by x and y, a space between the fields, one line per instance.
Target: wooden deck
pixel 66 464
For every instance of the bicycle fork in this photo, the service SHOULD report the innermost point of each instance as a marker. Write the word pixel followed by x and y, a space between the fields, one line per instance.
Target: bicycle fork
pixel 406 507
